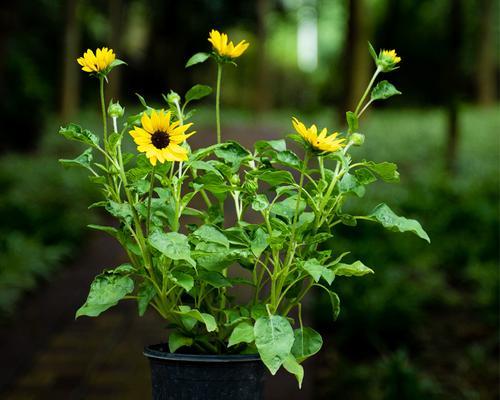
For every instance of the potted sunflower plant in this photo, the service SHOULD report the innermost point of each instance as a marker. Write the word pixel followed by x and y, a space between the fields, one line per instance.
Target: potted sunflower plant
pixel 266 222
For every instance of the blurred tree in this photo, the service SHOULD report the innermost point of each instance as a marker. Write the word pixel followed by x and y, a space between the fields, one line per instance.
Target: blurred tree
pixel 356 59
pixel 262 96
pixel 485 75
pixel 117 14
pixel 70 86
pixel 453 82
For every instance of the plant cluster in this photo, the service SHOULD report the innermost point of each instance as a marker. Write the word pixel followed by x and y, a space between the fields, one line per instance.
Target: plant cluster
pixel 189 263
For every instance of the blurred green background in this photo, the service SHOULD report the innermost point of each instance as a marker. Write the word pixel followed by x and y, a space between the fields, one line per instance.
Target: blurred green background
pixel 425 326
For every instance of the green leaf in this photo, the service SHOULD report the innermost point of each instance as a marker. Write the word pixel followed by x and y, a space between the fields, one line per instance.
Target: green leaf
pixel 210 234
pixel 233 153
pixel 385 170
pixel 260 202
pixel 142 101
pixel 75 132
pixel 352 121
pixel 108 229
pixel 287 207
pixel 215 279
pixel 174 245
pixel 373 53
pixel 212 256
pixel 313 268
pixel 204 318
pixel 258 310
pixel 274 340
pixel 242 333
pixel 177 340
pixel 260 242
pixel 145 294
pixel 198 92
pixel 83 160
pixel 364 176
pixel 307 343
pixel 357 268
pixel 105 291
pixel 335 302
pixel 350 184
pixel 278 145
pixel 115 63
pixel 292 366
pixel 389 220
pixel 182 279
pixel 273 177
pixel 383 91
pixel 197 59
pixel 120 210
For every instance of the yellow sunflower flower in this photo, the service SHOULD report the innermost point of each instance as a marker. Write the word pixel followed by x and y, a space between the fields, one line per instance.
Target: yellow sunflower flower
pixel 98 62
pixel 387 60
pixel 160 138
pixel 224 47
pixel 321 142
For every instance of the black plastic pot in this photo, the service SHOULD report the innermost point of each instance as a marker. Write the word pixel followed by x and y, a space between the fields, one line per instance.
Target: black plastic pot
pixel 199 377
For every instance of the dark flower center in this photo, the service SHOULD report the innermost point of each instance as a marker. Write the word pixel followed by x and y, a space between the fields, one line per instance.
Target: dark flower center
pixel 160 139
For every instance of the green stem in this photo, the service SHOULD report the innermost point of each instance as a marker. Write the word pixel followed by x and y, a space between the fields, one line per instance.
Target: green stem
pixel 217 102
pixel 377 71
pixel 103 111
pixel 151 182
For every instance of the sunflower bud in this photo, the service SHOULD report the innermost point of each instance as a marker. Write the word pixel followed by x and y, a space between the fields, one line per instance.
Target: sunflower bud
pixel 115 110
pixel 250 185
pixel 357 139
pixel 173 98
pixel 387 60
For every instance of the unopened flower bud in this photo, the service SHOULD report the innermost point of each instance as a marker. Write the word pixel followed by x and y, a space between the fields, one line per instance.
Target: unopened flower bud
pixel 115 110
pixel 357 139
pixel 173 98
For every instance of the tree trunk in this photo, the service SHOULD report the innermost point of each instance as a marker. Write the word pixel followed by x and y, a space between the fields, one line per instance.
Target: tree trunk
pixel 70 90
pixel 453 84
pixel 356 57
pixel 485 75
pixel 116 16
pixel 262 99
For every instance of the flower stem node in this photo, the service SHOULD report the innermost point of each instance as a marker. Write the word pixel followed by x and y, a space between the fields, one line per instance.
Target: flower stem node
pixel 115 110
pixel 357 139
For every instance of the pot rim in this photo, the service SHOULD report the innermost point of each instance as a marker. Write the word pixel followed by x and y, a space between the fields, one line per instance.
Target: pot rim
pixel 151 352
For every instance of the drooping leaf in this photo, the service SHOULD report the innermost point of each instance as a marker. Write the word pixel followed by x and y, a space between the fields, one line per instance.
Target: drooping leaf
pixel 292 366
pixel 307 343
pixel 383 91
pixel 83 160
pixel 350 184
pixel 145 294
pixel 357 268
pixel 106 291
pixel 242 333
pixel 176 340
pixel 274 340
pixel 385 170
pixel 184 280
pixel 389 220
pixel 75 132
pixel 313 268
pixel 204 318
